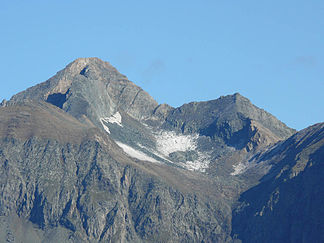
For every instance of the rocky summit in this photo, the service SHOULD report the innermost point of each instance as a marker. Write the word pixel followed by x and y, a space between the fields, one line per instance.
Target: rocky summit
pixel 88 156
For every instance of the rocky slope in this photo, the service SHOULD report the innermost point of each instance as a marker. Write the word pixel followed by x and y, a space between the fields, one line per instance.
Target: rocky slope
pixel 75 184
pixel 287 204
pixel 88 156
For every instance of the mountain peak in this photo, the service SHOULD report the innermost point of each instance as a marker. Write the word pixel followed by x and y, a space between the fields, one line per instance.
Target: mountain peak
pixel 91 87
pixel 92 66
pixel 232 99
pixel 80 63
pixel 88 60
pixel 238 96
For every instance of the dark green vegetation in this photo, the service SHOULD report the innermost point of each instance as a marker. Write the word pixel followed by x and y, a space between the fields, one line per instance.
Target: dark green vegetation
pixel 215 171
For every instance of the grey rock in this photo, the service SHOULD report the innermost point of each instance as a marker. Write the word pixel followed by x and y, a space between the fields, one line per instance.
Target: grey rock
pixel 182 156
pixel 63 177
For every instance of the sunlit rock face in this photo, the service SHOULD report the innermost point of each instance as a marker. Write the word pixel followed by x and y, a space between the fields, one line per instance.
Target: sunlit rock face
pixel 88 156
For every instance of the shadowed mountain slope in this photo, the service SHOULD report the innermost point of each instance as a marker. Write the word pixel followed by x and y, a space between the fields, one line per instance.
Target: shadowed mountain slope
pixel 287 204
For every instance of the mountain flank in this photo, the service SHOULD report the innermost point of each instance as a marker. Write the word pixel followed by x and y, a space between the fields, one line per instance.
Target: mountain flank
pixel 88 156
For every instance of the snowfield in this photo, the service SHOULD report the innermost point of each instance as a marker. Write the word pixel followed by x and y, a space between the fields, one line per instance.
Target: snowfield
pixel 102 120
pixel 116 118
pixel 168 142
pixel 239 168
pixel 135 153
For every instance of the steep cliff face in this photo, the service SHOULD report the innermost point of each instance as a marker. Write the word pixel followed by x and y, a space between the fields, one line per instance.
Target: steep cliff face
pixel 287 205
pixel 88 156
pixel 83 194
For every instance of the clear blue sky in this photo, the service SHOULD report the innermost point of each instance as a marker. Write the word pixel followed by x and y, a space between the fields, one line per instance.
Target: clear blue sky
pixel 179 51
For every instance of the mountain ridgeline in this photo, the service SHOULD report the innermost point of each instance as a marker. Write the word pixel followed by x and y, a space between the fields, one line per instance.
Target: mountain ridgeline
pixel 88 156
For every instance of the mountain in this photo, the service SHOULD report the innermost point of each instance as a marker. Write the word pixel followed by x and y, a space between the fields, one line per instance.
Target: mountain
pixel 88 156
pixel 95 93
pixel 90 88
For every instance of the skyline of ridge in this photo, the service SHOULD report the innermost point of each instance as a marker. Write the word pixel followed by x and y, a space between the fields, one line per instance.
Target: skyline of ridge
pixel 179 52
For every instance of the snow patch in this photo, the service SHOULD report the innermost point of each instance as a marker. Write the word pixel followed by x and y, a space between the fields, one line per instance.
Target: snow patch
pixel 201 164
pixel 116 118
pixel 135 153
pixel 152 151
pixel 168 142
pixel 239 168
pixel 251 163
pixel 102 120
